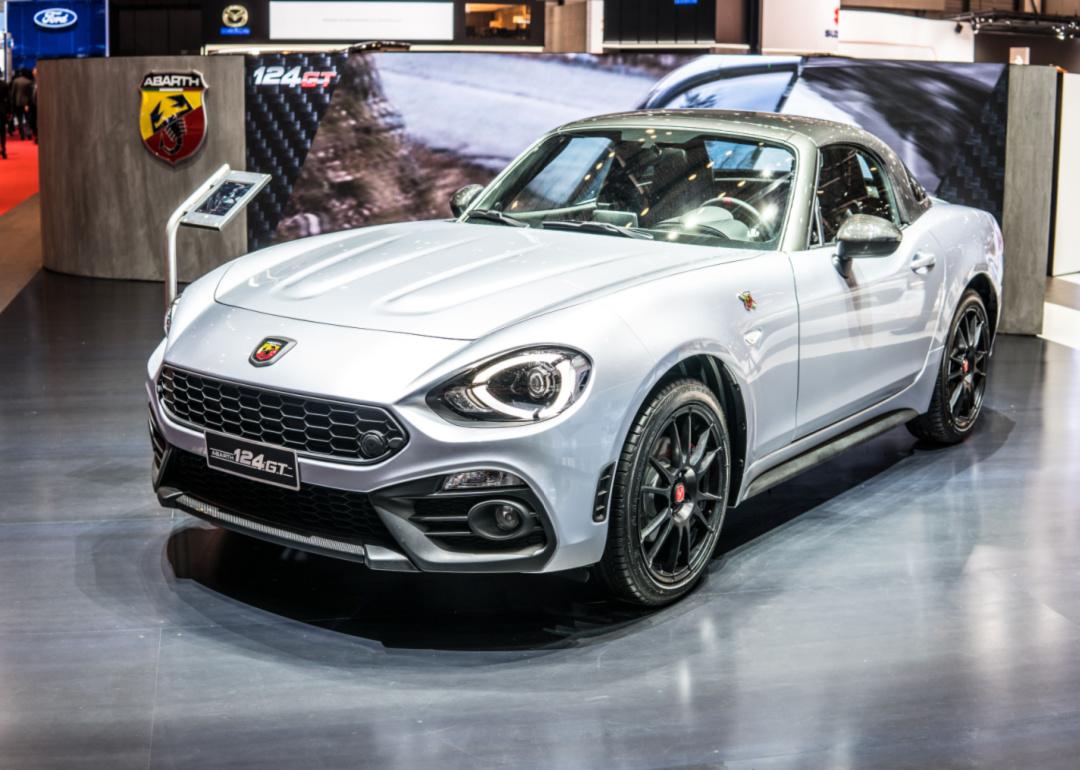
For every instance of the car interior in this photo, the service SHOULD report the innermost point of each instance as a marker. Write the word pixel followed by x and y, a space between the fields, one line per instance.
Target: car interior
pixel 850 182
pixel 698 188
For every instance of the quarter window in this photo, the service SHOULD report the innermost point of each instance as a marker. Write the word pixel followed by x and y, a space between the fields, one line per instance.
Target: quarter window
pixel 851 181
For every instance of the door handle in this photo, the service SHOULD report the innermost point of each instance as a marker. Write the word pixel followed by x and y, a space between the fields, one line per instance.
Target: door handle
pixel 922 262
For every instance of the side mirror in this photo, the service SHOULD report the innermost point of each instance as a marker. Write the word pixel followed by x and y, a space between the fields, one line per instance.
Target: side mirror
pixel 463 198
pixel 864 235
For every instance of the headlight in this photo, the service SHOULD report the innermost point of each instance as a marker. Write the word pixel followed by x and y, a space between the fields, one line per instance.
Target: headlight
pixel 523 386
pixel 169 314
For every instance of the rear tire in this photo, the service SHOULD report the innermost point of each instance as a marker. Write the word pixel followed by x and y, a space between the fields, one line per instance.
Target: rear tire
pixel 961 381
pixel 669 496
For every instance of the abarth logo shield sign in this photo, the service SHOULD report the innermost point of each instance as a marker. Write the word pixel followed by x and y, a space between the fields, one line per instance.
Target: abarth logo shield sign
pixel 172 114
pixel 270 350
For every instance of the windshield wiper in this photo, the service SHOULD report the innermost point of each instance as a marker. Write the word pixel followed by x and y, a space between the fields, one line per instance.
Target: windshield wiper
pixel 595 227
pixel 491 215
pixel 692 227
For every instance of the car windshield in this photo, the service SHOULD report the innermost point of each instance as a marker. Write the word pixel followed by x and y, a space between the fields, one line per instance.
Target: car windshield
pixel 682 186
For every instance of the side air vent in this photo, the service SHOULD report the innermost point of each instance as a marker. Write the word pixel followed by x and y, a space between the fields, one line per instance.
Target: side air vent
pixel 603 494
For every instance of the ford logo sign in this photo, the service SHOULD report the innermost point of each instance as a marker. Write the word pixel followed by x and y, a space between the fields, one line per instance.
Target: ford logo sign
pixel 55 18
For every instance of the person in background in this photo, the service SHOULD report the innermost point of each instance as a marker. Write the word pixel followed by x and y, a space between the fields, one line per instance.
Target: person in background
pixel 22 90
pixel 5 111
pixel 32 112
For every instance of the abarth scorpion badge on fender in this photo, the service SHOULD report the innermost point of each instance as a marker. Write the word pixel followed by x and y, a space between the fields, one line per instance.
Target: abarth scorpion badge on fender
pixel 172 115
pixel 270 350
pixel 748 301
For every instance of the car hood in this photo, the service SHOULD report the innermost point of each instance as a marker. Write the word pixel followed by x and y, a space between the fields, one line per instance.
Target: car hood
pixel 445 278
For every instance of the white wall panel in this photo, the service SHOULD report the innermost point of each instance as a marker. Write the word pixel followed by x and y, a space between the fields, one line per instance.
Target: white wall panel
pixel 360 21
pixel 876 35
pixel 799 26
pixel 1066 257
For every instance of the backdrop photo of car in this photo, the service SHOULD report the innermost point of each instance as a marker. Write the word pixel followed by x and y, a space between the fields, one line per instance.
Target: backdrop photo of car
pixel 395 133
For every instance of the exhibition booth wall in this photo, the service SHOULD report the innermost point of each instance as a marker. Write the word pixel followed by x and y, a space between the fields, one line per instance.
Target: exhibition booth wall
pixel 380 137
pixel 105 197
pixel 44 29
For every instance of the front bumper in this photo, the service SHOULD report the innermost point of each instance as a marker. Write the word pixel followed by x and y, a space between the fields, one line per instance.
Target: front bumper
pixel 560 462
pixel 401 528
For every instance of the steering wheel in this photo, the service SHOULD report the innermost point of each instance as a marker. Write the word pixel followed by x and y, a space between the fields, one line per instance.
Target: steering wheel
pixel 758 221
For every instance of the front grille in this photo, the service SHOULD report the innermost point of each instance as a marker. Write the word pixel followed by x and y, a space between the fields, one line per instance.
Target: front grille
pixel 445 519
pixel 312 426
pixel 311 511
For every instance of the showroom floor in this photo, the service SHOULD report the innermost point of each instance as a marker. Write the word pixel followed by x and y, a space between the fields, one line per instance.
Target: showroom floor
pixel 900 607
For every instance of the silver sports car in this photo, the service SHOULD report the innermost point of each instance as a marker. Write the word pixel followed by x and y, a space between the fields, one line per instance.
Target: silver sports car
pixel 645 319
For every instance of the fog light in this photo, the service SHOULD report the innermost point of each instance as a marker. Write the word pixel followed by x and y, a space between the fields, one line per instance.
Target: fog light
pixel 481 480
pixel 501 520
pixel 507 519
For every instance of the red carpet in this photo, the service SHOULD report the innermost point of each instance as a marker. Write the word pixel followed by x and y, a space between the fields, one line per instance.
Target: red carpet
pixel 18 174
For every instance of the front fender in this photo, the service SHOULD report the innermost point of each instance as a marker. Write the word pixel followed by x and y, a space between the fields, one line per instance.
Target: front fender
pixel 702 314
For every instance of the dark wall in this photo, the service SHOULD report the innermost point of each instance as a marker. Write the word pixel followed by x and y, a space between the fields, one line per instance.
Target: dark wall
pixel 652 21
pixel 257 29
pixel 154 28
pixel 1044 50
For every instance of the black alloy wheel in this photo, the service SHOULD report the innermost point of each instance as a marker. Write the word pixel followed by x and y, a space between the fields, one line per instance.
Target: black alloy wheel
pixel 679 497
pixel 669 496
pixel 967 362
pixel 961 384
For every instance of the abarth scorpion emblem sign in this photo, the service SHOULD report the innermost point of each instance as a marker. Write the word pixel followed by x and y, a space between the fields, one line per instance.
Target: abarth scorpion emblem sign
pixel 270 350
pixel 748 301
pixel 172 114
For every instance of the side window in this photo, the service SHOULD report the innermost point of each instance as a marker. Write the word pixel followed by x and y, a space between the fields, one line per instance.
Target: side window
pixel 815 227
pixel 850 182
pixel 917 190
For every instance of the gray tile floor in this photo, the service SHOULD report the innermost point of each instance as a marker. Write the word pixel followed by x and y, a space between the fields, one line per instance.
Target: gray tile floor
pixel 898 607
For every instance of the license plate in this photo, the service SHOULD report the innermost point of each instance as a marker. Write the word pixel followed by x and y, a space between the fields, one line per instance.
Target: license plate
pixel 252 460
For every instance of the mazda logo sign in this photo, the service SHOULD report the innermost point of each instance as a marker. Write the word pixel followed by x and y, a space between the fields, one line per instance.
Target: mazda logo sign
pixel 55 18
pixel 234 16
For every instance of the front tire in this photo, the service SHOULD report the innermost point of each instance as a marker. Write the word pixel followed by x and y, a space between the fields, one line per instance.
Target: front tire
pixel 669 496
pixel 961 382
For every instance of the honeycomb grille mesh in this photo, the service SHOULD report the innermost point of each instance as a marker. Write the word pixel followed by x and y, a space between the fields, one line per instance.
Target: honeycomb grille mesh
pixel 313 510
pixel 333 429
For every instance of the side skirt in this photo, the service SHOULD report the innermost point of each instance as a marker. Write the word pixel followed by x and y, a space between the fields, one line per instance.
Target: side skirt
pixel 834 446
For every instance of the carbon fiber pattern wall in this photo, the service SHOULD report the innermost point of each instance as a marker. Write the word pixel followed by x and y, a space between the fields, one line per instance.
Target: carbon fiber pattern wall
pixel 977 177
pixel 286 96
pixel 946 120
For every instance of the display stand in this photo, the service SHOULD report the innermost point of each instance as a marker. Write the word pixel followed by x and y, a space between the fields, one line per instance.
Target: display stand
pixel 214 204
